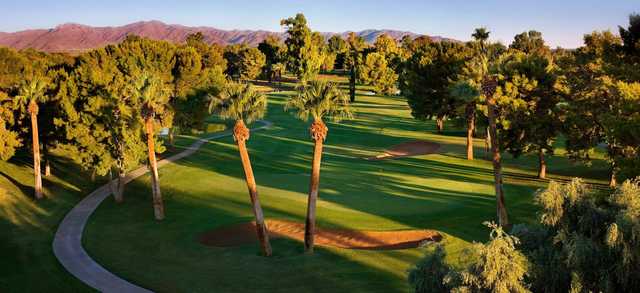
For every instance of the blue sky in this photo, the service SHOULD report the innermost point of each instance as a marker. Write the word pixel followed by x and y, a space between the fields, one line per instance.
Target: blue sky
pixel 562 22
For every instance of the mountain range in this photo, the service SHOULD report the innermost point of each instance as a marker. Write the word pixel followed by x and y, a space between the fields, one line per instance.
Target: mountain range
pixel 75 38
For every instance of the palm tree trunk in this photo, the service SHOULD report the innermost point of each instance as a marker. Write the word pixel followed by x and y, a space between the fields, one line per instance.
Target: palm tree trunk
pixel 47 164
pixel 33 110
pixel 352 84
pixel 440 123
pixel 503 219
pixel 612 179
pixel 542 165
pixel 118 186
pixel 158 205
pixel 171 135
pixel 241 135
pixel 487 141
pixel 319 133
pixel 471 127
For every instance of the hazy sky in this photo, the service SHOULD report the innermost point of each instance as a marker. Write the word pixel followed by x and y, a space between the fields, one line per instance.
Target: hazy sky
pixel 562 22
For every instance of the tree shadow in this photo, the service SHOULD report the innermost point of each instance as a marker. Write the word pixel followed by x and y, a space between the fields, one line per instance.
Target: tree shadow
pixel 181 263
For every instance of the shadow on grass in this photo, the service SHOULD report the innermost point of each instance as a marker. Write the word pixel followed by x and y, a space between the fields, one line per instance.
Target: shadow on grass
pixel 180 263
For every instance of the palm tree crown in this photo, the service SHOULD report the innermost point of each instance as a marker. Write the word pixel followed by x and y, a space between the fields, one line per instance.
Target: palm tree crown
pixel 154 94
pixel 319 99
pixel 481 34
pixel 32 89
pixel 238 101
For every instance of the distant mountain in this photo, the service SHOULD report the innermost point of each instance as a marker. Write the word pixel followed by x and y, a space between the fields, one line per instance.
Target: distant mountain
pixel 74 38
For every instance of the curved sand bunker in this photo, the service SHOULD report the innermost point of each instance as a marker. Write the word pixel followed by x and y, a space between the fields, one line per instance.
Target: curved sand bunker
pixel 408 149
pixel 376 240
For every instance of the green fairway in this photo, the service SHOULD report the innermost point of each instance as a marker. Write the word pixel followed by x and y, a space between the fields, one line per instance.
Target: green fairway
pixel 441 191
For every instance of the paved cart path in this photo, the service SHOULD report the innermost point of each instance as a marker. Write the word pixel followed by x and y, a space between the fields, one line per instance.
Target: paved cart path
pixel 67 244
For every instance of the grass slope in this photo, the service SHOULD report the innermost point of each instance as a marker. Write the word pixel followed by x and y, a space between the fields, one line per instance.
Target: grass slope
pixel 442 191
pixel 27 227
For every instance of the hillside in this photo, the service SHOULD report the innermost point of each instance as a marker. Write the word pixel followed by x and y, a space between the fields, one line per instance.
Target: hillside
pixel 73 37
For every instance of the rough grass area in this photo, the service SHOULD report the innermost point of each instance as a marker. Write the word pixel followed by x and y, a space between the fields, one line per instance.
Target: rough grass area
pixel 27 226
pixel 443 191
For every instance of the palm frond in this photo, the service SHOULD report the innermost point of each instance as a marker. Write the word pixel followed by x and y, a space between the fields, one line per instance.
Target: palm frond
pixel 33 87
pixel 320 99
pixel 238 101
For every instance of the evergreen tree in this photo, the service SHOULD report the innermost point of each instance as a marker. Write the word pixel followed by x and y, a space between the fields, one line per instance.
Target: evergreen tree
pixel 375 71
pixel 338 47
pixel 356 45
pixel 252 62
pixel 274 52
pixel 303 48
pixel 428 77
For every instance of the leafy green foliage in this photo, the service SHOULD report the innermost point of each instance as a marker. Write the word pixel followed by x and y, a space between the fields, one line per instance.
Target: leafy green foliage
pixel 530 42
pixel 631 35
pixel 251 63
pixel 303 48
pixel 375 71
pixel 430 273
pixel 274 52
pixel 592 236
pixel 338 47
pixel 428 75
pixel 531 90
pixel 9 140
pixel 602 102
pixel 497 266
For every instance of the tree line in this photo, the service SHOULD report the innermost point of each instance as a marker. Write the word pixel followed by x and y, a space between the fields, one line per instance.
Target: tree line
pixel 106 107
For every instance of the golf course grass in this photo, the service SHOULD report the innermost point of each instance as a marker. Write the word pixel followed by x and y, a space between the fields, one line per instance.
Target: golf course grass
pixel 27 226
pixel 442 191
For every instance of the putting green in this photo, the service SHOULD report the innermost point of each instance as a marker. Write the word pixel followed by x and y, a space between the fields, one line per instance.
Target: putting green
pixel 441 191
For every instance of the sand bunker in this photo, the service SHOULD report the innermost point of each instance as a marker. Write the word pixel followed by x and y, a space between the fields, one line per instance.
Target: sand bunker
pixel 407 149
pixel 385 240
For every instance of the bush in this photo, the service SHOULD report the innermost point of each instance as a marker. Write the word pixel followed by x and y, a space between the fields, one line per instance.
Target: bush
pixel 586 241
pixel 430 272
pixel 498 267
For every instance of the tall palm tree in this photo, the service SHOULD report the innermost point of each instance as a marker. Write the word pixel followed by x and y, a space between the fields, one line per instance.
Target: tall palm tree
pixel 479 66
pixel 317 99
pixel 154 95
pixel 489 85
pixel 242 103
pixel 31 92
pixel 481 35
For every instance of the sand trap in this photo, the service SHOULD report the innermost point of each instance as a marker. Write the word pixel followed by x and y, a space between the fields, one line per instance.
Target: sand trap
pixel 386 240
pixel 408 149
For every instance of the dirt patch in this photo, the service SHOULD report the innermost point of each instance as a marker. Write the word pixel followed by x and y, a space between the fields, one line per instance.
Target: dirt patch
pixel 376 240
pixel 408 149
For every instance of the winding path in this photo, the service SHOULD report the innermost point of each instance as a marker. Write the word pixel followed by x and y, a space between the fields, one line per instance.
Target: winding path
pixel 67 244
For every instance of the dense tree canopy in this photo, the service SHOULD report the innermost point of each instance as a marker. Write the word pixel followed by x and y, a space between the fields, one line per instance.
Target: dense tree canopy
pixel 428 75
pixel 303 48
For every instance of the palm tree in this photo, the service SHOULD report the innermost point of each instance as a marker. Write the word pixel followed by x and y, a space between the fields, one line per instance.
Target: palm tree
pixel 356 45
pixel 317 99
pixel 31 92
pixel 489 85
pixel 154 96
pixel 242 103
pixel 480 35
